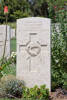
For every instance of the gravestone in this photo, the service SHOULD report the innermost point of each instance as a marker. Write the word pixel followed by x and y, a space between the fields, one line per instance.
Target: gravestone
pixel 33 51
pixel 2 40
pixel 12 33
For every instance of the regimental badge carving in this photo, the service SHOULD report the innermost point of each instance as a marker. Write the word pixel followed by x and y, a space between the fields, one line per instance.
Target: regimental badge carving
pixel 33 49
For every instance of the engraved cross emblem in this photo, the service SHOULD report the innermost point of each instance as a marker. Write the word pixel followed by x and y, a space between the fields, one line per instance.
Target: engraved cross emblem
pixel 33 47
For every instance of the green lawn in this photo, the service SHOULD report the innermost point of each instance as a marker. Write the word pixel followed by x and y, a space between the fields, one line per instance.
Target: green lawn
pixel 13 45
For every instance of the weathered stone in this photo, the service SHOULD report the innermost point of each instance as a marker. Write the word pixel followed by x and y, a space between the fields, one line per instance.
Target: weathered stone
pixel 2 40
pixel 12 33
pixel 33 51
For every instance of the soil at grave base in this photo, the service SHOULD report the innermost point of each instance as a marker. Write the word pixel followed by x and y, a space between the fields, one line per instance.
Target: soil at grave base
pixel 59 94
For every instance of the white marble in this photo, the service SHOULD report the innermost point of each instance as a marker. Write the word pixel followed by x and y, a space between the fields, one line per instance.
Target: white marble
pixel 2 40
pixel 13 35
pixel 33 51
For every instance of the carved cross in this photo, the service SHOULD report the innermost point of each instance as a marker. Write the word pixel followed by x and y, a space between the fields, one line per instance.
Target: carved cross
pixel 33 48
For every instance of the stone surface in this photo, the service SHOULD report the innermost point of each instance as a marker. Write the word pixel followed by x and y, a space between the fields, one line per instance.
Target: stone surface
pixel 33 51
pixel 12 33
pixel 2 40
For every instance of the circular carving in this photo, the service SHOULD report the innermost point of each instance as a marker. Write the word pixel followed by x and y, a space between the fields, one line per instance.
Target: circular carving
pixel 33 49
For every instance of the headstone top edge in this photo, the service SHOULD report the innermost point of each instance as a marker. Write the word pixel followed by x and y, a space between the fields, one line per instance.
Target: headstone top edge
pixel 33 18
pixel 4 26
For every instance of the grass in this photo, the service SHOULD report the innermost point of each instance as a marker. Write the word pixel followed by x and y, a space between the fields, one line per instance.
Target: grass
pixel 13 45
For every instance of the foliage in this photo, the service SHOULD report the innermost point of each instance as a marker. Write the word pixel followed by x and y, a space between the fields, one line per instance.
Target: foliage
pixel 6 98
pixel 39 8
pixel 36 93
pixel 25 8
pixel 16 9
pixel 65 82
pixel 13 57
pixel 7 66
pixel 12 88
pixel 3 64
pixel 57 10
pixel 12 25
pixel 59 56
pixel 59 43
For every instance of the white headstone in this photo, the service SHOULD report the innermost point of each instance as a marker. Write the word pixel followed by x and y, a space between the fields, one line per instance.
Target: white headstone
pixel 2 40
pixel 12 33
pixel 33 51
